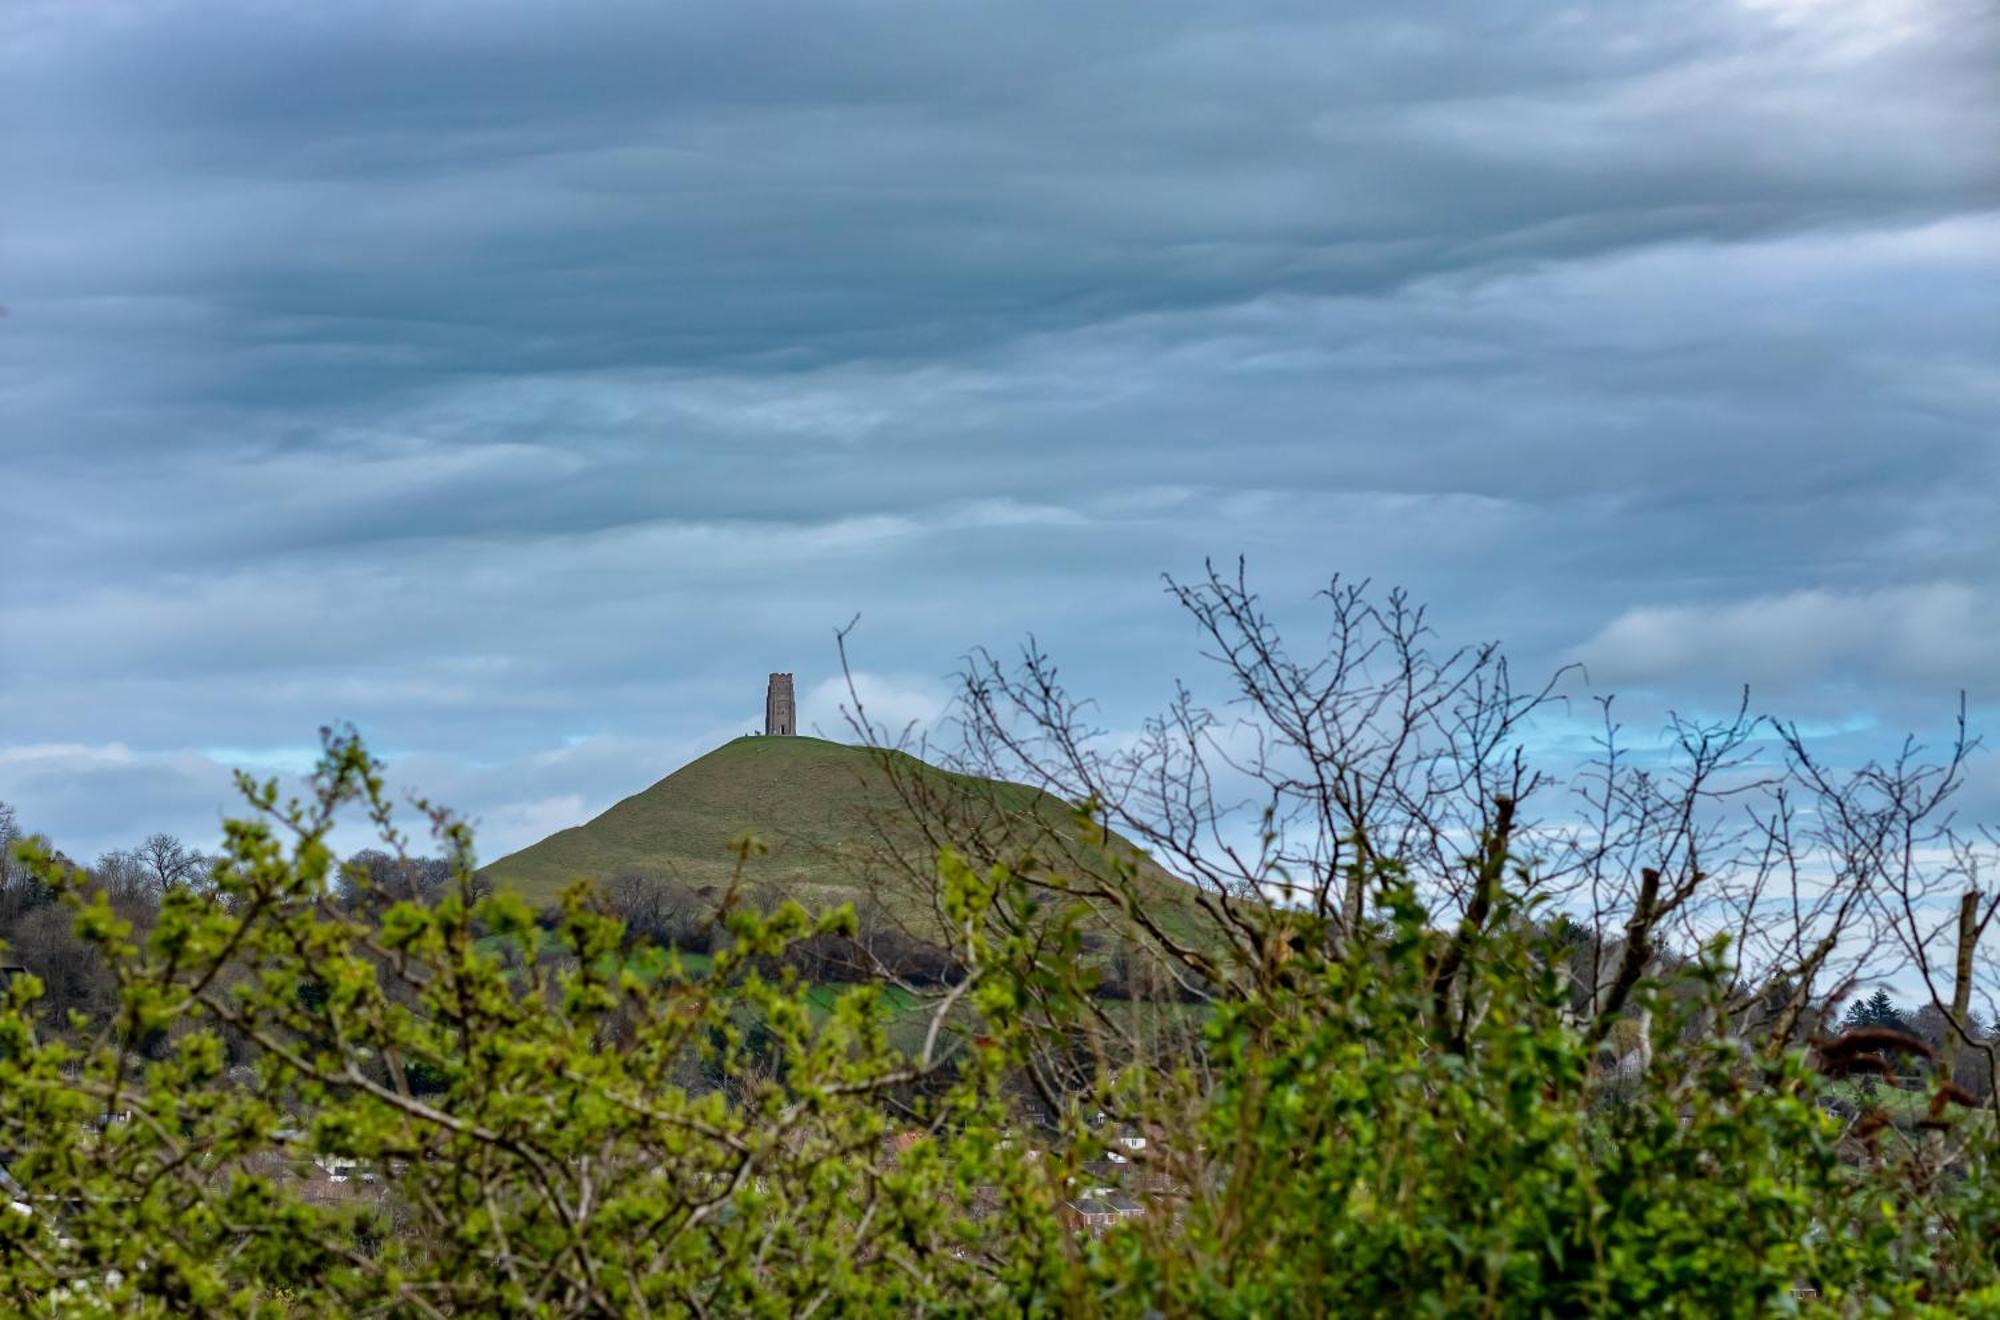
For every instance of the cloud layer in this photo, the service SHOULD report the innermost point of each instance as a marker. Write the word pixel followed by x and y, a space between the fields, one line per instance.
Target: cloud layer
pixel 523 382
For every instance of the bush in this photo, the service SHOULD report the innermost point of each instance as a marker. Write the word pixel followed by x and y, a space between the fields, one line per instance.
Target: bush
pixel 1332 1136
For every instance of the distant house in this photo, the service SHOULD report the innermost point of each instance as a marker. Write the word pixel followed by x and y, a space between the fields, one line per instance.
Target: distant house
pixel 1103 1172
pixel 1123 1148
pixel 337 1168
pixel 1099 1209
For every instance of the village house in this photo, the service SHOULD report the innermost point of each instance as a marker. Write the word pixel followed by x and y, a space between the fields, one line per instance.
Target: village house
pixel 1099 1209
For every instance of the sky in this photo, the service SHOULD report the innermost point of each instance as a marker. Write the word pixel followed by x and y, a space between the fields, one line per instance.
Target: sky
pixel 523 383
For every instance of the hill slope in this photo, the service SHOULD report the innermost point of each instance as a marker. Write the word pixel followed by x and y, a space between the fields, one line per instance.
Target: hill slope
pixel 830 813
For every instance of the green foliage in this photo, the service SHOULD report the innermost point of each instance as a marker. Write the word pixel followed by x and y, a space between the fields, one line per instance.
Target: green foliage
pixel 1391 1120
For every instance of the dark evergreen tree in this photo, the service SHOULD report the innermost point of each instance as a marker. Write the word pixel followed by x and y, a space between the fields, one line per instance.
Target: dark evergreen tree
pixel 1878 1010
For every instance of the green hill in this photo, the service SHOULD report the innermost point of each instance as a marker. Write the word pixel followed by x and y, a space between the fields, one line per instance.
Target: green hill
pixel 837 819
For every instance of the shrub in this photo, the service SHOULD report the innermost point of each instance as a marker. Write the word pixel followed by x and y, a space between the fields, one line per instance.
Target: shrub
pixel 1330 1136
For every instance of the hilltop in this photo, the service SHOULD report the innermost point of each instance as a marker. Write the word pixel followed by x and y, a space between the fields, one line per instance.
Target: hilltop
pixel 831 814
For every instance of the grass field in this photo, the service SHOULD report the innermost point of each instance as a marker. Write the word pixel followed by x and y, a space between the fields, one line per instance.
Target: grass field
pixel 1906 1108
pixel 799 795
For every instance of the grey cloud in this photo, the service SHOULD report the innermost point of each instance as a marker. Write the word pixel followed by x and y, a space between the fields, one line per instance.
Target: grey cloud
pixel 606 186
pixel 1940 635
pixel 65 792
pixel 520 379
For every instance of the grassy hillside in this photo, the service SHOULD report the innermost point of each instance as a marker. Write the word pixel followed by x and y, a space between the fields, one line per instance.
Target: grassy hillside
pixel 829 812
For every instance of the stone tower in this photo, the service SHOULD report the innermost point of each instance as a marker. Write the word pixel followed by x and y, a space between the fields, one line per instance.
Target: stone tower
pixel 781 712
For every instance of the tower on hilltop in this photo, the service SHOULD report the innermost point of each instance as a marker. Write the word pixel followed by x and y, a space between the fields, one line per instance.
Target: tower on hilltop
pixel 781 712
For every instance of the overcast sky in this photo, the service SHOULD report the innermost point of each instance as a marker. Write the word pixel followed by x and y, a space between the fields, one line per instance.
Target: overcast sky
pixel 523 382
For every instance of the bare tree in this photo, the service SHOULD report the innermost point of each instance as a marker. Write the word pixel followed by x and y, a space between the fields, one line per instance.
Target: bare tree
pixel 131 887
pixel 658 910
pixel 10 834
pixel 170 863
pixel 1381 763
pixel 20 890
pixel 375 879
pixel 72 972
